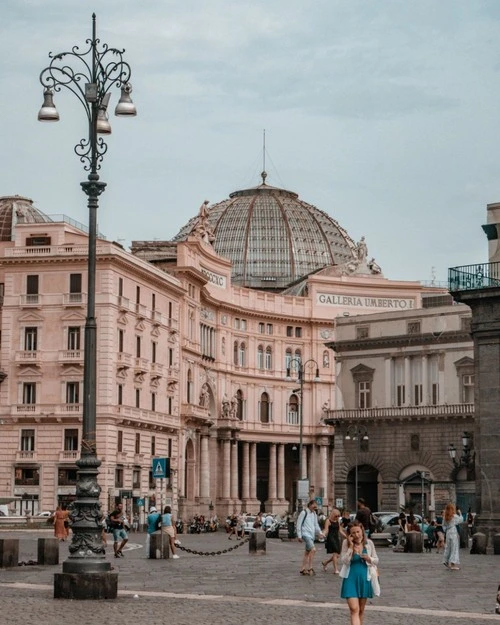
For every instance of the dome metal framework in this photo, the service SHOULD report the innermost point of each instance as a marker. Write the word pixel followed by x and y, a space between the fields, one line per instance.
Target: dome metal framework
pixel 17 209
pixel 273 238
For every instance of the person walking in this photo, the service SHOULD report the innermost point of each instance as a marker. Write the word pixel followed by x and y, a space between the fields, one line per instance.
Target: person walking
pixel 307 529
pixel 61 523
pixel 451 556
pixel 152 526
pixel 168 528
pixel 120 536
pixel 359 571
pixel 333 532
pixel 363 514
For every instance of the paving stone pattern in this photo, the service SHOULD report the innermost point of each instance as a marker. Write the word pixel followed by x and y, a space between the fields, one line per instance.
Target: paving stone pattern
pixel 238 587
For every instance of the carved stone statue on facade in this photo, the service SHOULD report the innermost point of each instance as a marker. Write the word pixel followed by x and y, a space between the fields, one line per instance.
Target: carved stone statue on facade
pixel 204 400
pixel 233 410
pixel 225 407
pixel 361 250
pixel 202 228
pixel 374 267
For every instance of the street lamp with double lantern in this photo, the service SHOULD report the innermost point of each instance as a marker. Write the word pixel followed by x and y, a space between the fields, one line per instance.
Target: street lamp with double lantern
pixel 90 74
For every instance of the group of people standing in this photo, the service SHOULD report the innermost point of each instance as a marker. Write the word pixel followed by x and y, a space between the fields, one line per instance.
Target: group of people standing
pixel 164 523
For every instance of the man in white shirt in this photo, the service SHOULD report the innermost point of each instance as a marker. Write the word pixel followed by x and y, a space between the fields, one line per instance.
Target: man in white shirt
pixel 307 530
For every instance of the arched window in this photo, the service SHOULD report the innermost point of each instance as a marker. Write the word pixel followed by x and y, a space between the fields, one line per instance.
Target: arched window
pixel 288 358
pixel 292 416
pixel 239 410
pixel 260 357
pixel 235 353
pixel 189 387
pixel 264 408
pixel 243 351
pixel 269 358
pixel 298 356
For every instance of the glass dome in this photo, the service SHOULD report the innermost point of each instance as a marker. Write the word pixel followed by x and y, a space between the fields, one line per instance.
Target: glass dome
pixel 15 209
pixel 273 238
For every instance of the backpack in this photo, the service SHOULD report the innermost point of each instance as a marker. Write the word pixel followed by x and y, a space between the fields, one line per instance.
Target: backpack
pixel 373 523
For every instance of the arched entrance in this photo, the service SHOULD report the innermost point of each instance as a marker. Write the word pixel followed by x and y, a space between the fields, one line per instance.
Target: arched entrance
pixel 416 490
pixel 367 486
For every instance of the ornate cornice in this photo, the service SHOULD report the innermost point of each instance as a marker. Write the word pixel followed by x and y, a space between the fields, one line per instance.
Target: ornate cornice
pixel 402 340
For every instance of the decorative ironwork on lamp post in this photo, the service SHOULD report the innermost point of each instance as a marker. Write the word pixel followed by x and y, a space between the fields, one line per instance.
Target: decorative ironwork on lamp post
pixel 89 74
pixel 301 368
pixel 358 433
pixel 468 457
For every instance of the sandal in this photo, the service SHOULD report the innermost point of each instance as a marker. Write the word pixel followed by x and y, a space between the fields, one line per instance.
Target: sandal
pixel 324 565
pixel 311 572
pixel 303 572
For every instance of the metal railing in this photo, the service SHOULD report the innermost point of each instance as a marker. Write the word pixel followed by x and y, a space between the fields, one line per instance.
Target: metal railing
pixel 472 277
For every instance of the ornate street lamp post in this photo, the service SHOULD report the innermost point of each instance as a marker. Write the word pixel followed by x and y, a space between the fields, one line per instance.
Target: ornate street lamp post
pixel 301 369
pixel 356 433
pixel 89 74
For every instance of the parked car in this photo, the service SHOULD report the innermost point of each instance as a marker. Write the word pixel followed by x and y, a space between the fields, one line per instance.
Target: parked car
pixel 249 521
pixel 45 513
pixel 389 521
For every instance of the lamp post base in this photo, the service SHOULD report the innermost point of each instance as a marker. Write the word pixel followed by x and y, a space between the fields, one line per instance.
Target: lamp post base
pixel 99 585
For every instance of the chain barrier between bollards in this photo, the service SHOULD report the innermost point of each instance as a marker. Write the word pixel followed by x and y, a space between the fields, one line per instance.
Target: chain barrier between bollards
pixel 212 553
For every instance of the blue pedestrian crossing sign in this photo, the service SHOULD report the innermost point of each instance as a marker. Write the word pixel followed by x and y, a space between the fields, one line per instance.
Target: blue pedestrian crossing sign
pixel 161 467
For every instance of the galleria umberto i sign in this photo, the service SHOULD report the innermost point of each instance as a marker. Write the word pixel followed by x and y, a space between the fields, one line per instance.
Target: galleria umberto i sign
pixel 391 303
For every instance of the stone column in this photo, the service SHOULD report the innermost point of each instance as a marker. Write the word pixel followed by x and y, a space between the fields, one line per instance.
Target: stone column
pixel 281 472
pixel 425 381
pixel 388 381
pixel 245 485
pixel 323 471
pixel 253 470
pixel 234 470
pixel 305 468
pixel 226 468
pixel 272 472
pixel 204 468
pixel 485 305
pixel 407 401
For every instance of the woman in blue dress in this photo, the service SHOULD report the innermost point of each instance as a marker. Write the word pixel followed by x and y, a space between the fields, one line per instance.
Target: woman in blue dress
pixel 451 556
pixel 359 567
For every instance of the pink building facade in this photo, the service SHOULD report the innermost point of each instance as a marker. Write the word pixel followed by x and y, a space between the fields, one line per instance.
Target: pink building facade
pixel 190 367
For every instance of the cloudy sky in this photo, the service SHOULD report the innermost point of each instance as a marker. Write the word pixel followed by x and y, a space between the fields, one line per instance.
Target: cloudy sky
pixel 383 113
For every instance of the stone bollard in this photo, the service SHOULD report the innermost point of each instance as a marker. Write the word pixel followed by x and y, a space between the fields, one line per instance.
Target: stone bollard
pixel 414 542
pixel 496 544
pixel 48 551
pixel 155 546
pixel 479 543
pixel 463 535
pixel 9 552
pixel 257 543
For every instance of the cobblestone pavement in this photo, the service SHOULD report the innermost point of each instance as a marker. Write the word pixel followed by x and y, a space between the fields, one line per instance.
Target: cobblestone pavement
pixel 236 586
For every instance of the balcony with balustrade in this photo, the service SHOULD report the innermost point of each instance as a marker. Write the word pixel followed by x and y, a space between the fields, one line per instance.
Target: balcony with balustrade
pixel 71 356
pixel 396 413
pixel 26 456
pixel 28 357
pixel 70 456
